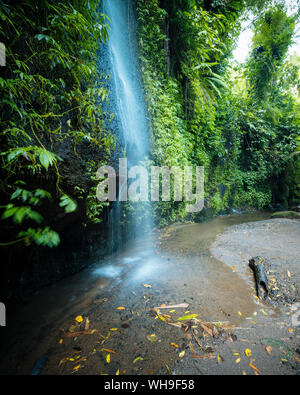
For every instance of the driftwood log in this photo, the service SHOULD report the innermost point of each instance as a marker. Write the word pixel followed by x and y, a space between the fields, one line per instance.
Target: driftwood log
pixel 261 282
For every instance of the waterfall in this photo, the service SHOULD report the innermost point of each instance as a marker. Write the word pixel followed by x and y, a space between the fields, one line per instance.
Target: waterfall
pixel 127 97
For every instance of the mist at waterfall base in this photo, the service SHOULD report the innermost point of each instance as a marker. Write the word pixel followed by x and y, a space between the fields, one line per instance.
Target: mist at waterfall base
pixel 127 220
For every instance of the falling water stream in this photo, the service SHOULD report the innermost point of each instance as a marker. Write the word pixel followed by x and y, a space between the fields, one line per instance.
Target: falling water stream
pixel 126 91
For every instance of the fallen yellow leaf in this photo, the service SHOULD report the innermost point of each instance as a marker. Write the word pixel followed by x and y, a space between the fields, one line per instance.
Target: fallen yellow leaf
pixel 138 359
pixel 187 317
pixel 79 319
pixel 121 308
pixel 108 358
pixel 181 354
pixel 174 345
pixel 263 311
pixel 248 352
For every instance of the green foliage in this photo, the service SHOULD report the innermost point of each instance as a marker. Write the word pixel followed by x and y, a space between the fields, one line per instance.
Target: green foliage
pixel 68 204
pixel 201 111
pixel 19 214
pixel 273 33
pixel 94 207
pixel 50 103
pixel 43 237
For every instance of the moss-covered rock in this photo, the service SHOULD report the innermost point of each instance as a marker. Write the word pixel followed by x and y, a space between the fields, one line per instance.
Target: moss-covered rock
pixel 286 214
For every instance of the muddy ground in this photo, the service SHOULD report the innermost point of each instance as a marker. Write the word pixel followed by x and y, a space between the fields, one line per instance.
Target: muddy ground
pixel 117 331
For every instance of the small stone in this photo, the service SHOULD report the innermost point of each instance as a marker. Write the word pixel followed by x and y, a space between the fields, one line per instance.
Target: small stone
pixel 234 338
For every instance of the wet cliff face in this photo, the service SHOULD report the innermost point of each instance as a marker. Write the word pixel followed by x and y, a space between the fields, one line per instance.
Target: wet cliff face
pixel 52 107
pixel 25 269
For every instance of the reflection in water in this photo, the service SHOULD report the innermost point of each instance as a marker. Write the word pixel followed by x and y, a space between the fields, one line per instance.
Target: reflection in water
pixel 196 238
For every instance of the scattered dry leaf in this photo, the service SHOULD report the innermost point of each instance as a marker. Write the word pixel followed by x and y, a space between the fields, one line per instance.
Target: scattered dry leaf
pixel 254 368
pixel 182 305
pixel 206 328
pixel 75 334
pixel 87 324
pixel 108 350
pixel 269 349
pixel 204 356
pixel 192 348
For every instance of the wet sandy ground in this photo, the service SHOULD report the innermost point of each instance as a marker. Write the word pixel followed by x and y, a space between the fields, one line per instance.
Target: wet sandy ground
pixel 277 240
pixel 180 269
